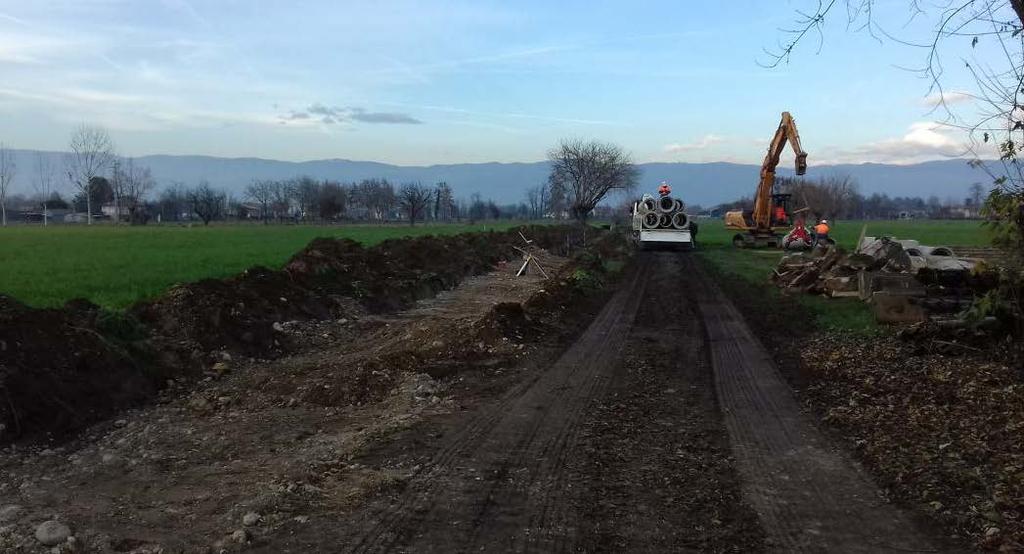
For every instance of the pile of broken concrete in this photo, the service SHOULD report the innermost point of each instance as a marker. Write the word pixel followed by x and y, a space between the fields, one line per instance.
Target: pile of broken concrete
pixel 904 280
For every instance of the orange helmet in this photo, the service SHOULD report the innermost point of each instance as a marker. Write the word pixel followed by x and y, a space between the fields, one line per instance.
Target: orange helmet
pixel 664 189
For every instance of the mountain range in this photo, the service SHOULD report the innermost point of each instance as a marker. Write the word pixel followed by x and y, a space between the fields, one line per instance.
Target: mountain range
pixel 706 184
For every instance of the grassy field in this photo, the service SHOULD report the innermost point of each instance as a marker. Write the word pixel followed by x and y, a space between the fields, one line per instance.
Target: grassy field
pixel 753 266
pixel 116 266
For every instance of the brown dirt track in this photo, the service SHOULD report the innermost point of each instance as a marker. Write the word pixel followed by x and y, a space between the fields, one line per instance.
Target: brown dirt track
pixel 504 415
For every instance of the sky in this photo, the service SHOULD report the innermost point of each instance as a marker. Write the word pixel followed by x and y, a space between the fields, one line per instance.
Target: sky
pixel 449 81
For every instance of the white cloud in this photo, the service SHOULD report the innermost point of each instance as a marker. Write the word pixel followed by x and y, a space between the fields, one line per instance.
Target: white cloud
pixel 947 98
pixel 703 143
pixel 923 141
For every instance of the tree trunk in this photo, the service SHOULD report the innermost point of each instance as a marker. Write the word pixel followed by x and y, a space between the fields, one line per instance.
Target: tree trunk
pixel 88 206
pixel 3 209
pixel 1018 6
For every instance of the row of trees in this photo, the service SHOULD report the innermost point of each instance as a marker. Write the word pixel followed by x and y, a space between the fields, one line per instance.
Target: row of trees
pixel 93 170
pixel 582 174
pixel 838 197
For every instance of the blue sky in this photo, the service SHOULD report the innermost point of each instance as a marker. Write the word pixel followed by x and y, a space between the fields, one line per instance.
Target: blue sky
pixel 451 81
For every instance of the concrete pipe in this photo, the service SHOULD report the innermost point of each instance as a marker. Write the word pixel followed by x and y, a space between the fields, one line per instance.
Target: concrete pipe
pixel 680 221
pixel 664 221
pixel 651 220
pixel 648 205
pixel 666 204
pixel 678 206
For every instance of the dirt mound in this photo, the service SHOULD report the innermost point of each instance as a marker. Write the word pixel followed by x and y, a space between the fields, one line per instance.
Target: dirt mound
pixel 241 314
pixel 62 369
pixel 236 314
pixel 398 272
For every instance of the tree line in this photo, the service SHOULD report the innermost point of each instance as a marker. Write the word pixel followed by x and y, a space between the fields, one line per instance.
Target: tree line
pixel 105 185
pixel 838 197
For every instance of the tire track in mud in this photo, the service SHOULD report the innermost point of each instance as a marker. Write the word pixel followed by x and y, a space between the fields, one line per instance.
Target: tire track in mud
pixel 499 484
pixel 809 496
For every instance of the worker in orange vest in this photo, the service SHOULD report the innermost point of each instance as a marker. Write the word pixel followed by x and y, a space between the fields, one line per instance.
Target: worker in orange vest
pixel 664 189
pixel 821 232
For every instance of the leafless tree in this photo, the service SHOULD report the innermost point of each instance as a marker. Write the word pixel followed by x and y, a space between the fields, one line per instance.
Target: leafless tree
pixel 377 196
pixel 414 199
pixel 977 193
pixel 307 194
pixel 207 202
pixel 261 192
pixel 586 171
pixel 91 154
pixel 281 195
pixel 44 183
pixel 173 202
pixel 444 202
pixel 331 202
pixel 538 198
pixel 133 184
pixel 7 170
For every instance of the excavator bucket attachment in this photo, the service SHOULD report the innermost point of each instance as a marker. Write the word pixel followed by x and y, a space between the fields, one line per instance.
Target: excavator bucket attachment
pixel 801 163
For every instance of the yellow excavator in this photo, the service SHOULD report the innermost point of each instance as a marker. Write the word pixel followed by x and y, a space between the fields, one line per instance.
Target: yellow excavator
pixel 770 219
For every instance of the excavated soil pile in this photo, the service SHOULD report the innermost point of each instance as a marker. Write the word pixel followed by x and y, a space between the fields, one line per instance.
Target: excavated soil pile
pixel 61 369
pixel 321 282
pixel 942 432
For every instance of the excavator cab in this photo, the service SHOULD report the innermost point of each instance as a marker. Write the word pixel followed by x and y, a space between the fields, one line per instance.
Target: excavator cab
pixel 780 210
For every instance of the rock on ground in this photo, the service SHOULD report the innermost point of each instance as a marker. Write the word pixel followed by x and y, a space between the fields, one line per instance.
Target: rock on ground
pixel 52 532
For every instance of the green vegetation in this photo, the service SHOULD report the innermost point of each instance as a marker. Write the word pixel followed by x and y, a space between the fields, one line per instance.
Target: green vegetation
pixel 754 266
pixel 117 266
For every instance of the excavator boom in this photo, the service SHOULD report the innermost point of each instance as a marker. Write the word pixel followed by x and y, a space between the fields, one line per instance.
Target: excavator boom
pixel 762 201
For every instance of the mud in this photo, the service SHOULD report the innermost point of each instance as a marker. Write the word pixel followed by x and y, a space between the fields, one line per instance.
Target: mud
pixel 63 369
pixel 279 437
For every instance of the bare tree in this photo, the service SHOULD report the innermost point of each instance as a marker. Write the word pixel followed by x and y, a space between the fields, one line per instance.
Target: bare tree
pixel 331 202
pixel 306 192
pixel 44 184
pixel 538 198
pixel 173 202
pixel 414 199
pixel 586 171
pixel 133 184
pixel 977 193
pixel 261 192
pixel 281 195
pixel 91 154
pixel 207 202
pixel 7 171
pixel 833 196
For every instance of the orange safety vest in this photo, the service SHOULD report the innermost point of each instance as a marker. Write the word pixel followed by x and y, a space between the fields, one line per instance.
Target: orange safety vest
pixel 821 229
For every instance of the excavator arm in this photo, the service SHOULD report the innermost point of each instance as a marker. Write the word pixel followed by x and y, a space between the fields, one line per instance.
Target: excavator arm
pixel 762 201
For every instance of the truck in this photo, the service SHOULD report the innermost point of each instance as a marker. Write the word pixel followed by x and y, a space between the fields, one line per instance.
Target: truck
pixel 662 222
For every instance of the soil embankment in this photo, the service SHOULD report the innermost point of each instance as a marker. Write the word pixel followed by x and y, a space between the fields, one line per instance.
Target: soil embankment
pixel 63 369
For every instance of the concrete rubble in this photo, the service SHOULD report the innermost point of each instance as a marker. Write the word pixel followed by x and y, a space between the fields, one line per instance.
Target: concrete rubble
pixel 904 280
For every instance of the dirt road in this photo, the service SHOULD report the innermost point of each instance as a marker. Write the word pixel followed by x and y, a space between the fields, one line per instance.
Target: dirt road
pixel 615 446
pixel 661 427
pixel 620 446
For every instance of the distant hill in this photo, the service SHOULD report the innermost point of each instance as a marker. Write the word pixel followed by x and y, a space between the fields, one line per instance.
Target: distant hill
pixel 697 183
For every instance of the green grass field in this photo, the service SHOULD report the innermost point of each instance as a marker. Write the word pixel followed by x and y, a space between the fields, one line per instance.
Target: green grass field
pixel 754 266
pixel 117 266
